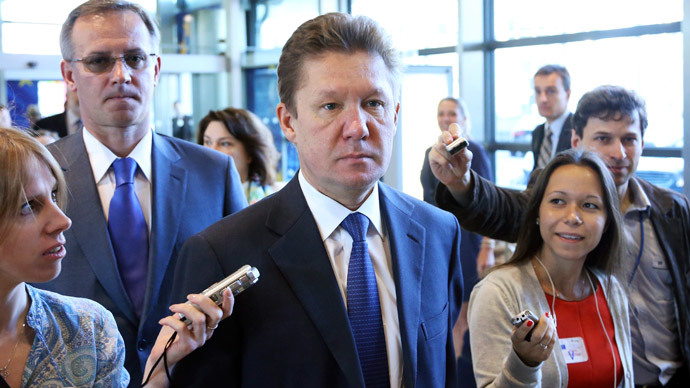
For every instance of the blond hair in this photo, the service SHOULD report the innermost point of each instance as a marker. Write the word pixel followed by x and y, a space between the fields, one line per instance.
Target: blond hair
pixel 16 150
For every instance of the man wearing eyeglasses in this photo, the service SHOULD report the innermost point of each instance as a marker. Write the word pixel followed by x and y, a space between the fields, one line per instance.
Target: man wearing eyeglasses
pixel 134 195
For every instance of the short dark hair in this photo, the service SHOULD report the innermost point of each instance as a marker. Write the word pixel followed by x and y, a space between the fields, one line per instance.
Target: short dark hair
pixel 333 32
pixel 609 103
pixel 256 138
pixel 103 7
pixel 561 70
pixel 606 255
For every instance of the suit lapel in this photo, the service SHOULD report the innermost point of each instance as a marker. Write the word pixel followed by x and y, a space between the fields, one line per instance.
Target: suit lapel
pixel 564 142
pixel 302 259
pixel 168 193
pixel 407 239
pixel 89 227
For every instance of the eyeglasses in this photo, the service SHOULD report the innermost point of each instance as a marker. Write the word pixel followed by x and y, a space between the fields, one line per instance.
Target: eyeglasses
pixel 98 64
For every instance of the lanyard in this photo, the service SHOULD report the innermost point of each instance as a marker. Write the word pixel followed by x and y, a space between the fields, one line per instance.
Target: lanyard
pixel 639 255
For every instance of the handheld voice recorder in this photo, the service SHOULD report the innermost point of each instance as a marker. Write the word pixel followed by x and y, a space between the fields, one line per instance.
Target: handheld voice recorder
pixel 239 281
pixel 457 145
pixel 519 319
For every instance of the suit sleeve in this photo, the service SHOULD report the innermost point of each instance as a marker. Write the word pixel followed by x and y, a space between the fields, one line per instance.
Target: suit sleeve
pixel 493 211
pixel 235 200
pixel 216 363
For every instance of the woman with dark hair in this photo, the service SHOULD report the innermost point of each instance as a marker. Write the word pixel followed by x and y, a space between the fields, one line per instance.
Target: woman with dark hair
pixel 242 135
pixel 563 272
pixel 48 339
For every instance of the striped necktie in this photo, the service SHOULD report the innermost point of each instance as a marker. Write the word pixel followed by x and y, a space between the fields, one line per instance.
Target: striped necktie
pixel 545 149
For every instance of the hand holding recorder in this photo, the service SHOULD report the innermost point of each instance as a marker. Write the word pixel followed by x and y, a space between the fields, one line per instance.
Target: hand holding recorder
pixel 533 338
pixel 450 160
pixel 194 322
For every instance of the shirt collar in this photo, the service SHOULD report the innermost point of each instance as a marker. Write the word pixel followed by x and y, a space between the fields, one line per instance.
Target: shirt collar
pixel 329 214
pixel 557 125
pixel 638 198
pixel 101 157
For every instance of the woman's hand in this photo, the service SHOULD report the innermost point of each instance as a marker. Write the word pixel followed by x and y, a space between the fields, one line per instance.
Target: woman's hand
pixel 204 320
pixel 541 343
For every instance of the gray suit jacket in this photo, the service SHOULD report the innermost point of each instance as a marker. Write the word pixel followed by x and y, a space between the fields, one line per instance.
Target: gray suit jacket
pixel 291 329
pixel 192 188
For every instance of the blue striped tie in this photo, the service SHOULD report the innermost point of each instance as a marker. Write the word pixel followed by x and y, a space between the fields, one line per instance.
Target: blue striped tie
pixel 363 306
pixel 129 233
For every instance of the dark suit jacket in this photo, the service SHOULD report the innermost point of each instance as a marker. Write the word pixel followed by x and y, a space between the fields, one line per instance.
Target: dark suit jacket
pixel 563 138
pixel 56 123
pixel 192 187
pixel 499 213
pixel 291 329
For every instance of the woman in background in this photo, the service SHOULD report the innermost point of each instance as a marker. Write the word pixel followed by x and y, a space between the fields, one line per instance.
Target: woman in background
pixel 47 339
pixel 452 110
pixel 562 271
pixel 240 134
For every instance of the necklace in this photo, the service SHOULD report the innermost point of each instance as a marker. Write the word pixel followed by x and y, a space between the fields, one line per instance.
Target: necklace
pixel 3 371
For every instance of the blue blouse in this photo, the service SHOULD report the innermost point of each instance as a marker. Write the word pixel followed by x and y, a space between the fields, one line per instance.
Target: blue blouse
pixel 77 344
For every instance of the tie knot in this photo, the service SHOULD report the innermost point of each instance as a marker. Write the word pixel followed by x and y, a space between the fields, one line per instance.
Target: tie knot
pixel 124 169
pixel 356 224
pixel 547 132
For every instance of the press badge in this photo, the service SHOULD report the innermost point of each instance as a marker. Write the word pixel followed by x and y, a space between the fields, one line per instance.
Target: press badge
pixel 573 350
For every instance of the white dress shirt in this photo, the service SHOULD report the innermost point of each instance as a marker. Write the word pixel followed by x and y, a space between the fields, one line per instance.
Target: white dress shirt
pixel 102 158
pixel 328 215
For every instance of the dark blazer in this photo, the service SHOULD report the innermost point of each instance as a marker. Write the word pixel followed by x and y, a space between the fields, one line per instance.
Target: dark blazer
pixel 563 138
pixel 56 123
pixel 291 329
pixel 192 187
pixel 499 213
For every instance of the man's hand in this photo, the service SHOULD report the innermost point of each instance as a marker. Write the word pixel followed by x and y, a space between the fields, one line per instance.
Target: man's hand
pixel 453 171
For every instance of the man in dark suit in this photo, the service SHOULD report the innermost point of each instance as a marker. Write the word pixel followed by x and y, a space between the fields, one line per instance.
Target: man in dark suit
pixel 176 189
pixel 65 123
pixel 338 80
pixel 551 92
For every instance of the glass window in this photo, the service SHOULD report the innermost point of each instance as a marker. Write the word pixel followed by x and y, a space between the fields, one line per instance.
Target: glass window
pixel 418 119
pixel 664 172
pixel 513 169
pixel 33 26
pixel 276 21
pixel 412 24
pixel 651 65
pixel 530 18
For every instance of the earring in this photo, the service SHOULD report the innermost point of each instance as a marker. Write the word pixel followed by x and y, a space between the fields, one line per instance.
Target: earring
pixel 537 220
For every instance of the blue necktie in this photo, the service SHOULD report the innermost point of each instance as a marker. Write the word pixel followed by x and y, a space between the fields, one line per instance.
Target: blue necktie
pixel 129 233
pixel 363 306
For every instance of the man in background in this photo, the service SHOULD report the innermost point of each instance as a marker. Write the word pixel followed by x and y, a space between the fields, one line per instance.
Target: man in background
pixel 65 123
pixel 551 93
pixel 134 196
